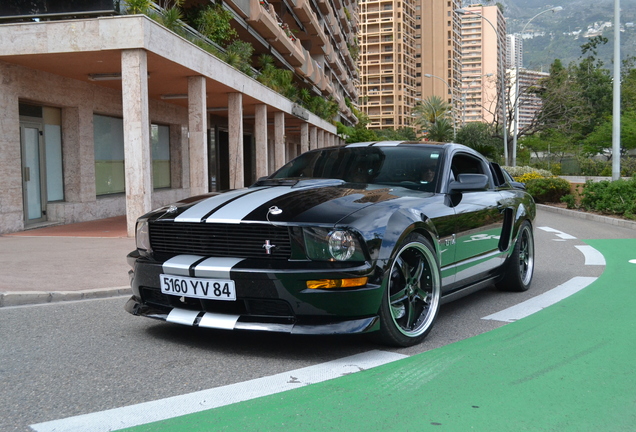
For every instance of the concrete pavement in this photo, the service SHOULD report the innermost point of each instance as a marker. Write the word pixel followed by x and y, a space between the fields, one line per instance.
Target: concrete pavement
pixel 65 262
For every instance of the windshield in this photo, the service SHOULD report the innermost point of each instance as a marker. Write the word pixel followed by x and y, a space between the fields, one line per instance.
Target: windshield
pixel 415 167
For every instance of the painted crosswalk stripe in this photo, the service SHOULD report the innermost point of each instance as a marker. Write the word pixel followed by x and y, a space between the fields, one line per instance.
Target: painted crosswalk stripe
pixel 541 301
pixel 148 412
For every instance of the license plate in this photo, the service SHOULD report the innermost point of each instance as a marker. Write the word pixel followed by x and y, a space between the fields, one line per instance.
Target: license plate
pixel 213 289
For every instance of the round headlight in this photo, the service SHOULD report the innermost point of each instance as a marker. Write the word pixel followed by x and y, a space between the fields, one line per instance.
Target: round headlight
pixel 341 245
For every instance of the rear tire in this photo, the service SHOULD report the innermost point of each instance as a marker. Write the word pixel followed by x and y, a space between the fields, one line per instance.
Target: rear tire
pixel 412 290
pixel 520 265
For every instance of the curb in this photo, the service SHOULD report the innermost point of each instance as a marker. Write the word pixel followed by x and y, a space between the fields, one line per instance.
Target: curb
pixel 23 298
pixel 589 216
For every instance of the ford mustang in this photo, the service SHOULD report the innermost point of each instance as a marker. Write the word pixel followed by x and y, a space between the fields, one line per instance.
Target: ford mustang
pixel 367 237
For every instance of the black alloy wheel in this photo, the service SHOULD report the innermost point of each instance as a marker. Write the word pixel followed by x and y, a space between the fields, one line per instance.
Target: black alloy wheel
pixel 520 266
pixel 412 293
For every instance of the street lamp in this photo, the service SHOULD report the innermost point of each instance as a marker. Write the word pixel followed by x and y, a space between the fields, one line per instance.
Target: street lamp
pixel 452 102
pixel 516 130
pixel 463 11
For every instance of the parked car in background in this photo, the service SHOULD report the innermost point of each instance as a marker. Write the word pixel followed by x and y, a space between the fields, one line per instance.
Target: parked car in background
pixel 367 237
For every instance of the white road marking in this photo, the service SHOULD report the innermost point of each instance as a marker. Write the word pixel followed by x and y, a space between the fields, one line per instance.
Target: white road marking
pixel 592 256
pixel 632 261
pixel 147 412
pixel 558 233
pixel 541 301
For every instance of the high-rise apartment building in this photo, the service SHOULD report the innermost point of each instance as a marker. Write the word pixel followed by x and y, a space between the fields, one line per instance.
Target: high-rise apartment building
pixel 439 65
pixel 483 31
pixel 514 51
pixel 529 102
pixel 387 62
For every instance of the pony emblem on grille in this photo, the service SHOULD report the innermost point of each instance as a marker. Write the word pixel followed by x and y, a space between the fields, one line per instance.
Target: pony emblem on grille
pixel 268 247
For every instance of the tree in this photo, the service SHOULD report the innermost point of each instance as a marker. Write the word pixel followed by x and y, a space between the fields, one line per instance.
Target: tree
pixel 429 111
pixel 600 140
pixel 440 131
pixel 399 134
pixel 358 133
pixel 481 137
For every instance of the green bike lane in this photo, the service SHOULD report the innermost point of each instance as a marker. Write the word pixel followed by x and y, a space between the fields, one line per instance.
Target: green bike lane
pixel 569 367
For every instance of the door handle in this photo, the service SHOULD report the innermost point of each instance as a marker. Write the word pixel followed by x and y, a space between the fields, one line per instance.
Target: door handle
pixel 27 174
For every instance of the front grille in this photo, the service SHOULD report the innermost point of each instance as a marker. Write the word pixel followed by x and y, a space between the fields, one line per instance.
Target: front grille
pixel 220 240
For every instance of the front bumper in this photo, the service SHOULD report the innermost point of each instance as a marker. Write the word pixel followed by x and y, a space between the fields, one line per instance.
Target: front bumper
pixel 300 326
pixel 269 297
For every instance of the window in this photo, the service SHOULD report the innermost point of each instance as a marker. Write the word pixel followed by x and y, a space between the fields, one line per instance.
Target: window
pixel 160 139
pixel 108 134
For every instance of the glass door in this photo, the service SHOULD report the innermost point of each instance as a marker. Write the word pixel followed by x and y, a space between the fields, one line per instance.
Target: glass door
pixel 33 186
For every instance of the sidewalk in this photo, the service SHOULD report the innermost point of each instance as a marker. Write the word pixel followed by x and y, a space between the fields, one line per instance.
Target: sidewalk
pixel 65 262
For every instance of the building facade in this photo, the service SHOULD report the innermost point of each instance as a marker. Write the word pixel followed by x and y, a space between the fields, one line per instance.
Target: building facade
pixel 410 51
pixel 112 115
pixel 387 62
pixel 439 49
pixel 529 102
pixel 483 31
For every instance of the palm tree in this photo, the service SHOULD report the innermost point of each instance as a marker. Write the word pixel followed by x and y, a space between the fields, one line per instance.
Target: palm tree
pixel 430 111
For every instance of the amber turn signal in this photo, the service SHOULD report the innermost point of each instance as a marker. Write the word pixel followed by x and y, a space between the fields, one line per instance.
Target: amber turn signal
pixel 337 283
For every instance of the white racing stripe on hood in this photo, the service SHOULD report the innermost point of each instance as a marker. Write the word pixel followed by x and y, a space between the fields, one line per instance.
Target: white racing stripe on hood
pixel 198 211
pixel 236 211
pixel 180 265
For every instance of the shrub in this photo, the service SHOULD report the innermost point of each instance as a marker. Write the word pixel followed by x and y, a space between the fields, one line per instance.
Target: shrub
pixel 569 201
pixel 529 176
pixel 518 171
pixel 617 197
pixel 548 189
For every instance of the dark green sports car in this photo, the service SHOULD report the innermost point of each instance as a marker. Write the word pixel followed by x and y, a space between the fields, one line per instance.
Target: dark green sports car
pixel 367 237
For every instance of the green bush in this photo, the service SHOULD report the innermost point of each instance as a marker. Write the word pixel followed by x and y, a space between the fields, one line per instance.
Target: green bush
pixel 518 171
pixel 550 189
pixel 617 197
pixel 594 167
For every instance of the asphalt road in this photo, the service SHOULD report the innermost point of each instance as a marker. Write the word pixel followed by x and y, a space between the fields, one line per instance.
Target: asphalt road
pixel 71 358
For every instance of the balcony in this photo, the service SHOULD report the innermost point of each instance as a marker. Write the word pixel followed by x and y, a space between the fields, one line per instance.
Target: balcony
pixel 265 20
pixel 308 17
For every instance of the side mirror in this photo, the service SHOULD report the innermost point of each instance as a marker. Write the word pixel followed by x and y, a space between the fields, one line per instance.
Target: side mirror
pixel 468 182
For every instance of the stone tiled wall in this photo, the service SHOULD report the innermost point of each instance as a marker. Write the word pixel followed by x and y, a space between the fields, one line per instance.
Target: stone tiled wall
pixel 78 102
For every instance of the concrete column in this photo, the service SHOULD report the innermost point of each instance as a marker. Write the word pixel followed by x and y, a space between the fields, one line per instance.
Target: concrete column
pixel 198 135
pixel 304 137
pixel 11 202
pixel 235 128
pixel 260 141
pixel 78 153
pixel 279 139
pixel 137 156
pixel 313 137
pixel 321 138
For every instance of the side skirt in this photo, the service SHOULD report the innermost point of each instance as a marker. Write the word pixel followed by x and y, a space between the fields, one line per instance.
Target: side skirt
pixel 469 290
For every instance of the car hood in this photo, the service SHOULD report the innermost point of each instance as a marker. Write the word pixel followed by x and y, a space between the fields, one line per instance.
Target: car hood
pixel 296 202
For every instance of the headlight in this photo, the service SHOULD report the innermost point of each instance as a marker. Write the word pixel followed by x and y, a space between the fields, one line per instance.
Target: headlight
pixel 322 244
pixel 142 236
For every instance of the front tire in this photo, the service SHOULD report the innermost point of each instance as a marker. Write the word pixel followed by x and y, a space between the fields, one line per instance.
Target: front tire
pixel 412 290
pixel 520 265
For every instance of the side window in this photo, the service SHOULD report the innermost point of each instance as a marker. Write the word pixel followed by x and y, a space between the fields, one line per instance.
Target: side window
pixel 466 164
pixel 497 174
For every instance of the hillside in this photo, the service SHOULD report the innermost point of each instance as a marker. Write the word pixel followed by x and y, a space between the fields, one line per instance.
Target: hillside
pixel 562 33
